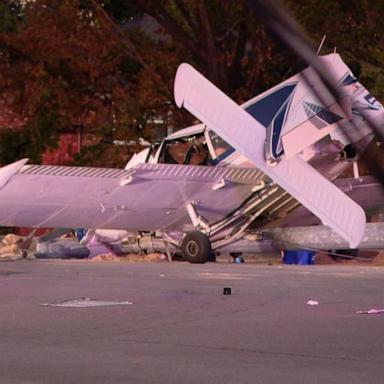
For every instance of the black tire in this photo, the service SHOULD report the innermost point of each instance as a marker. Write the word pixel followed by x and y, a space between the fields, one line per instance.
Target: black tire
pixel 196 247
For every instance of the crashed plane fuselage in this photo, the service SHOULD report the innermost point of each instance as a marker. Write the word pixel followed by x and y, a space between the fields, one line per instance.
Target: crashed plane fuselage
pixel 241 167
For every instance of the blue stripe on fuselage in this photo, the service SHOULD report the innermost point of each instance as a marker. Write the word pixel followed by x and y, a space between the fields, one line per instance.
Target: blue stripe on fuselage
pixel 265 109
pixel 271 111
pixel 276 130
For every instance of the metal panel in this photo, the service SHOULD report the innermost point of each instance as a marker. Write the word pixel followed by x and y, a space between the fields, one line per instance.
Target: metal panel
pixel 154 198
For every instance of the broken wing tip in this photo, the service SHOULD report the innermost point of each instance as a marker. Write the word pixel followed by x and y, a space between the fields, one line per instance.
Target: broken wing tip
pixel 180 83
pixel 359 228
pixel 16 164
pixel 354 242
pixel 8 171
pixel 24 160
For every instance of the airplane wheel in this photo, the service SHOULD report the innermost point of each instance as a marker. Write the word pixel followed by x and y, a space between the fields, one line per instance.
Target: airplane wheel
pixel 196 247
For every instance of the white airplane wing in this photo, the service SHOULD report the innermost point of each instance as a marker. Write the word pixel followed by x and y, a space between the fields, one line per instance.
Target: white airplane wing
pixel 146 197
pixel 204 100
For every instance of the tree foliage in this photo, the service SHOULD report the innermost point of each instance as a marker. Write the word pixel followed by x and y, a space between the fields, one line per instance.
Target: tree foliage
pixel 61 70
pixel 223 39
pixel 106 67
pixel 354 28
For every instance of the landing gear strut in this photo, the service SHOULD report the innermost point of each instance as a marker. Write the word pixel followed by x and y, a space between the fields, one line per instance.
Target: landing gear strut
pixel 196 247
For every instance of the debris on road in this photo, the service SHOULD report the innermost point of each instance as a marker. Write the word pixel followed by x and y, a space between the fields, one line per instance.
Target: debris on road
pixel 155 257
pixel 371 312
pixel 131 258
pixel 95 246
pixel 301 257
pixel 227 291
pixel 10 247
pixel 106 257
pixel 61 249
pixel 85 302
pixel 313 302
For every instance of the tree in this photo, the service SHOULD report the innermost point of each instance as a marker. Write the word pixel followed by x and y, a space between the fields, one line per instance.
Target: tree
pixel 354 28
pixel 223 39
pixel 107 66
pixel 61 64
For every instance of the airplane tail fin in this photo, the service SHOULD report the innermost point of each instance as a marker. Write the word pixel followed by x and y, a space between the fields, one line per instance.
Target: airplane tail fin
pixel 209 104
pixel 294 115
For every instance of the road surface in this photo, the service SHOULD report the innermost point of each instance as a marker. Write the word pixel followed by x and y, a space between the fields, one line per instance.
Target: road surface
pixel 182 329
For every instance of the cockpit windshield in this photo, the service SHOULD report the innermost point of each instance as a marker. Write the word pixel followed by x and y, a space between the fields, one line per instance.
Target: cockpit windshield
pixel 190 150
pixel 219 145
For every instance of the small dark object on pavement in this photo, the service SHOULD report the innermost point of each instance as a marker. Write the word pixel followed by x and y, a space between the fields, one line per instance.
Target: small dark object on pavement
pixel 227 291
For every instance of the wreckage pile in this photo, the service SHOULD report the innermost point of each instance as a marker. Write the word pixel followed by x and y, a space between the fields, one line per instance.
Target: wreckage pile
pixel 14 247
pixel 10 247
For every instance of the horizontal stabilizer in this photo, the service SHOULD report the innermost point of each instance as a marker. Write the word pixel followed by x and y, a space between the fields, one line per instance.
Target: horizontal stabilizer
pixel 246 135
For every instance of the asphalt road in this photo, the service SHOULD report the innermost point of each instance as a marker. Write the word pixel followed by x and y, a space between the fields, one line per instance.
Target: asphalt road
pixel 182 329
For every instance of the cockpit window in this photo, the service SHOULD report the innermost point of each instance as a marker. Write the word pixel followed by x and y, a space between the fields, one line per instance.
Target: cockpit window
pixel 151 157
pixel 348 80
pixel 190 150
pixel 219 145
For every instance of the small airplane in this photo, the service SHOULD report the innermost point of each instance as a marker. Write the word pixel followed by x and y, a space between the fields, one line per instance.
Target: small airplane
pixel 207 186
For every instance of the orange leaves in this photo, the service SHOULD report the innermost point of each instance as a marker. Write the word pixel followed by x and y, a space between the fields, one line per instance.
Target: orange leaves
pixel 63 57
